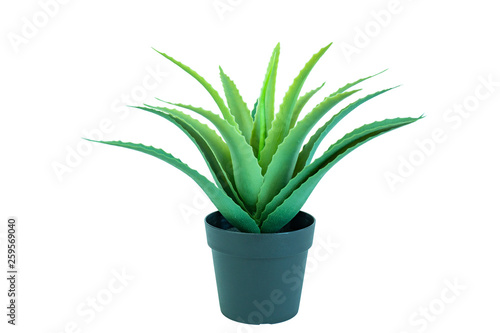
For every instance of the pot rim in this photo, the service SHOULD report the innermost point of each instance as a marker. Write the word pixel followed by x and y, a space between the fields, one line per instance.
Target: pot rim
pixel 263 234
pixel 261 245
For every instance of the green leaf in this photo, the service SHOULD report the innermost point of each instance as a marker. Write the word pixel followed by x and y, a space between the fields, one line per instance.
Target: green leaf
pixel 282 165
pixel 265 105
pixel 281 125
pixel 292 197
pixel 301 103
pixel 237 106
pixel 352 84
pixel 214 165
pixel 214 141
pixel 310 147
pixel 247 173
pixel 254 110
pixel 215 95
pixel 269 96
pixel 228 208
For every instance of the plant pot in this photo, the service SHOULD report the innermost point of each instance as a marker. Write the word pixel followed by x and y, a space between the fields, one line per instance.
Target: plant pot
pixel 259 276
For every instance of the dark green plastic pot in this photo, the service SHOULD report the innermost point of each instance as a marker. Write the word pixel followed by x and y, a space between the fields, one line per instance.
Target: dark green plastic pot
pixel 259 276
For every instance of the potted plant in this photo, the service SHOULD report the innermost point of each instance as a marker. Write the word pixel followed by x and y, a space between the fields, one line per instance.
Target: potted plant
pixel 263 174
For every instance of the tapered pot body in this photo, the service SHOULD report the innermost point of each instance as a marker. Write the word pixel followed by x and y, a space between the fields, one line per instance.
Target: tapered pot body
pixel 259 276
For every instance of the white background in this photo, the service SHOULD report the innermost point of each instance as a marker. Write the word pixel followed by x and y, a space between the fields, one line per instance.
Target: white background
pixel 393 248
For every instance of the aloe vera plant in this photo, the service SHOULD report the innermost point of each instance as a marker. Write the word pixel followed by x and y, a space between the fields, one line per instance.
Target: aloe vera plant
pixel 261 164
